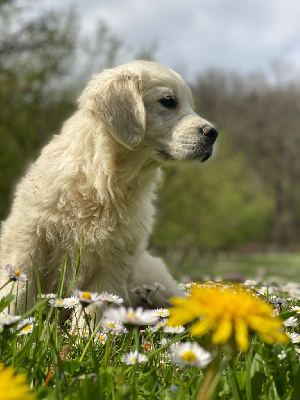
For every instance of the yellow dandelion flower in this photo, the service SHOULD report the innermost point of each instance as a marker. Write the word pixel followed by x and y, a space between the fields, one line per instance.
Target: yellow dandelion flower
pixel 14 387
pixel 227 312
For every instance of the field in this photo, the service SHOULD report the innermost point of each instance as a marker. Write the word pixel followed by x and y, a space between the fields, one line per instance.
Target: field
pixel 132 354
pixel 285 266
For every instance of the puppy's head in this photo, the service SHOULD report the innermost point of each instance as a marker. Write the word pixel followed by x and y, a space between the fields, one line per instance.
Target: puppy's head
pixel 144 104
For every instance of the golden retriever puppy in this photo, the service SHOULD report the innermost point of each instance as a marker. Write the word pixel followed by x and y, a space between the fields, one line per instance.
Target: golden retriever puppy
pixel 97 179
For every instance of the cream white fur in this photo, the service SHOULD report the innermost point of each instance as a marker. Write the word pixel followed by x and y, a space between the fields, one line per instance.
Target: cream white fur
pixel 97 178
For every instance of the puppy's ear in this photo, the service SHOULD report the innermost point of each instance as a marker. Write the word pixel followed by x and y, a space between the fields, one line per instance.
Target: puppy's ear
pixel 119 103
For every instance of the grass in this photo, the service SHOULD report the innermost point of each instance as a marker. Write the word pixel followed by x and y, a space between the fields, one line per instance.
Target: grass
pixel 60 365
pixel 286 266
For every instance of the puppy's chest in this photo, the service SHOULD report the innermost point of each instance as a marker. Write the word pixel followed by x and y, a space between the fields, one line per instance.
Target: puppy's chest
pixel 120 226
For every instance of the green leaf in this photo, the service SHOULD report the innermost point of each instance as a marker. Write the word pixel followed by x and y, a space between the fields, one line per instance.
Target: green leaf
pixel 5 301
pixel 296 391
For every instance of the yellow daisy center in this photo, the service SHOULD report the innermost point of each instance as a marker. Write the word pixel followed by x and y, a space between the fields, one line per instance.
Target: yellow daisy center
pixel 17 272
pixel 133 359
pixel 26 328
pixel 147 346
pixel 188 356
pixel 111 325
pixel 86 296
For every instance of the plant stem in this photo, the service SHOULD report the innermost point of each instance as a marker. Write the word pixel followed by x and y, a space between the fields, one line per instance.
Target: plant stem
pixel 211 378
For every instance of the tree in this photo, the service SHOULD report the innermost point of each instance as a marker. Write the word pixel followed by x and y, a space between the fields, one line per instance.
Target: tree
pixel 263 121
pixel 40 76
pixel 34 49
pixel 211 206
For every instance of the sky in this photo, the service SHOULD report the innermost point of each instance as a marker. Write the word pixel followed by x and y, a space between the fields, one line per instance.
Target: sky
pixel 195 35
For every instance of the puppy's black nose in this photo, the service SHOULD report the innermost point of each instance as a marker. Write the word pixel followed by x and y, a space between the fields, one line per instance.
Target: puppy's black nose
pixel 210 132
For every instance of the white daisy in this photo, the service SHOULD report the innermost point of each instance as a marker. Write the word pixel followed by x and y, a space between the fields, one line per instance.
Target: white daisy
pixel 296 308
pixel 48 296
pixel 265 290
pixel 174 329
pixel 134 357
pixel 137 289
pixel 131 317
pixel 292 321
pixel 71 302
pixel 6 319
pixel 149 288
pixel 159 286
pixel 111 298
pixel 162 312
pixel 101 338
pixel 15 274
pixel 295 337
pixel 87 298
pixel 190 354
pixel 84 333
pixel 58 303
pixel 281 356
pixel 250 282
pixel 159 326
pixel 112 326
pixel 26 326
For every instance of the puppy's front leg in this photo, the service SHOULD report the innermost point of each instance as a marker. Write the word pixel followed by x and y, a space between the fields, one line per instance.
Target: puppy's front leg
pixel 147 270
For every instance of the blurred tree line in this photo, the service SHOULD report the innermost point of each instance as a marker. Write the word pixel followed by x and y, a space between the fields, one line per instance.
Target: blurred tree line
pixel 246 193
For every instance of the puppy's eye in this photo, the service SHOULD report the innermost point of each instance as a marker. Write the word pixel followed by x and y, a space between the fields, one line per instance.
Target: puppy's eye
pixel 169 102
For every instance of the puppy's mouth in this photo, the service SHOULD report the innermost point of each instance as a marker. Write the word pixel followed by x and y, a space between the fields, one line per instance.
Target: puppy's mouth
pixel 194 154
pixel 206 156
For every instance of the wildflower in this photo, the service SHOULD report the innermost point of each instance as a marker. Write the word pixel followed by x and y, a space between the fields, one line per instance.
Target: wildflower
pixel 142 293
pixel 296 308
pixel 137 289
pixel 164 341
pixel 159 326
pixel 162 312
pixel 58 303
pixel 111 298
pixel 134 357
pixel 101 338
pixel 227 312
pixel 6 319
pixel 174 329
pixel 15 274
pixel 159 286
pixel 26 326
pixel 71 302
pixel 84 333
pixel 265 290
pixel 14 387
pixel 149 288
pixel 250 282
pixel 278 302
pixel 189 354
pixel 281 356
pixel 147 346
pixel 87 298
pixel 291 321
pixel 295 337
pixel 131 317
pixel 48 296
pixel 113 326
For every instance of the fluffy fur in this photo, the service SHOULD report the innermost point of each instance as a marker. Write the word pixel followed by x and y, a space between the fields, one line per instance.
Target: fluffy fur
pixel 97 178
